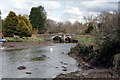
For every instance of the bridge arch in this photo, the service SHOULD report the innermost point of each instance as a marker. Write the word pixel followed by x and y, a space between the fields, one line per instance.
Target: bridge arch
pixel 68 39
pixel 57 39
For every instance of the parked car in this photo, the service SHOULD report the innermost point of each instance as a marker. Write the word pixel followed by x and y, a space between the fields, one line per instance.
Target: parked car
pixel 2 40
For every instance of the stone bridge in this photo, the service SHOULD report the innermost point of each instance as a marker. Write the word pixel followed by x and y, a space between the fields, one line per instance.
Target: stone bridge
pixel 59 37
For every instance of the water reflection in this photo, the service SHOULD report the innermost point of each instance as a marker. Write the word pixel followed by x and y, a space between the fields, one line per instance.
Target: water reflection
pixel 51 49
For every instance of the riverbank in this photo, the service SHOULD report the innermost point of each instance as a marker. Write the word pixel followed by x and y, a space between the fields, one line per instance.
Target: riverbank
pixel 91 73
pixel 24 44
pixel 88 71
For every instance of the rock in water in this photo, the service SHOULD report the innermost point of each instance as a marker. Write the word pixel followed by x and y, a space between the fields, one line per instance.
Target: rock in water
pixel 28 73
pixel 65 63
pixel 62 52
pixel 21 67
pixel 56 67
pixel 61 62
pixel 64 66
pixel 64 69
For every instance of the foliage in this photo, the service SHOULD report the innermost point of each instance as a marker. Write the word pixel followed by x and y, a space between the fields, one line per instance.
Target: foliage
pixel 63 27
pixel 37 18
pixel 10 23
pixel 24 28
pixel 108 30
pixel 51 26
pixel 116 61
pixel 107 39
pixel 85 50
pixel 106 53
pixel 90 27
pixel 16 25
pixel 26 20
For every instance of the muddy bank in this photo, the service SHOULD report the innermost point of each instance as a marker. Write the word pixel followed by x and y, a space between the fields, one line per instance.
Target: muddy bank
pixel 24 45
pixel 93 73
pixel 88 71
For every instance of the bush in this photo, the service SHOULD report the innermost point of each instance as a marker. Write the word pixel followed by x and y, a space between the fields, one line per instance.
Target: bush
pixel 116 61
pixel 85 50
pixel 107 39
pixel 89 29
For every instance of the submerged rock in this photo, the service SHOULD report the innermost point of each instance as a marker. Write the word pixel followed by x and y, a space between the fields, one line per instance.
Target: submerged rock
pixel 21 67
pixel 39 58
pixel 65 63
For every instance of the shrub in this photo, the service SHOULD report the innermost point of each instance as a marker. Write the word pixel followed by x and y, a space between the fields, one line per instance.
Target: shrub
pixel 116 61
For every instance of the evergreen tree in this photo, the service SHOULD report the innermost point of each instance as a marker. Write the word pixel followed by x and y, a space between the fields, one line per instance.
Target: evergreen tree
pixel 27 22
pixel 37 18
pixel 24 28
pixel 10 23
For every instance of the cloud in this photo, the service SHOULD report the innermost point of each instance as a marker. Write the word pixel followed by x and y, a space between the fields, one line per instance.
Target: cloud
pixel 60 10
pixel 51 5
pixel 54 18
pixel 72 10
pixel 76 13
pixel 98 6
pixel 24 6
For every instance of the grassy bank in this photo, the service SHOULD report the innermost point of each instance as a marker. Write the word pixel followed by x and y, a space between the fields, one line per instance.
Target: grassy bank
pixel 85 39
pixel 25 39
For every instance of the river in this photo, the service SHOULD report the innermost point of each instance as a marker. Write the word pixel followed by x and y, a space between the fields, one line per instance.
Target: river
pixel 54 63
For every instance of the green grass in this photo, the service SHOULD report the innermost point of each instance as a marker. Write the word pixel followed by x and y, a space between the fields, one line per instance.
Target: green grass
pixel 85 39
pixel 17 39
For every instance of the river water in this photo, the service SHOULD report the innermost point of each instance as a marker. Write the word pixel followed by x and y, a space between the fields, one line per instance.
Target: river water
pixel 54 63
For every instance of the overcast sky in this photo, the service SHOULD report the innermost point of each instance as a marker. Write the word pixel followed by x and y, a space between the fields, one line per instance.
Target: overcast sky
pixel 60 10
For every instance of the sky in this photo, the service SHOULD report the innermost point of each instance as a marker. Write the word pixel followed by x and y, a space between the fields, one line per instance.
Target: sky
pixel 60 10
